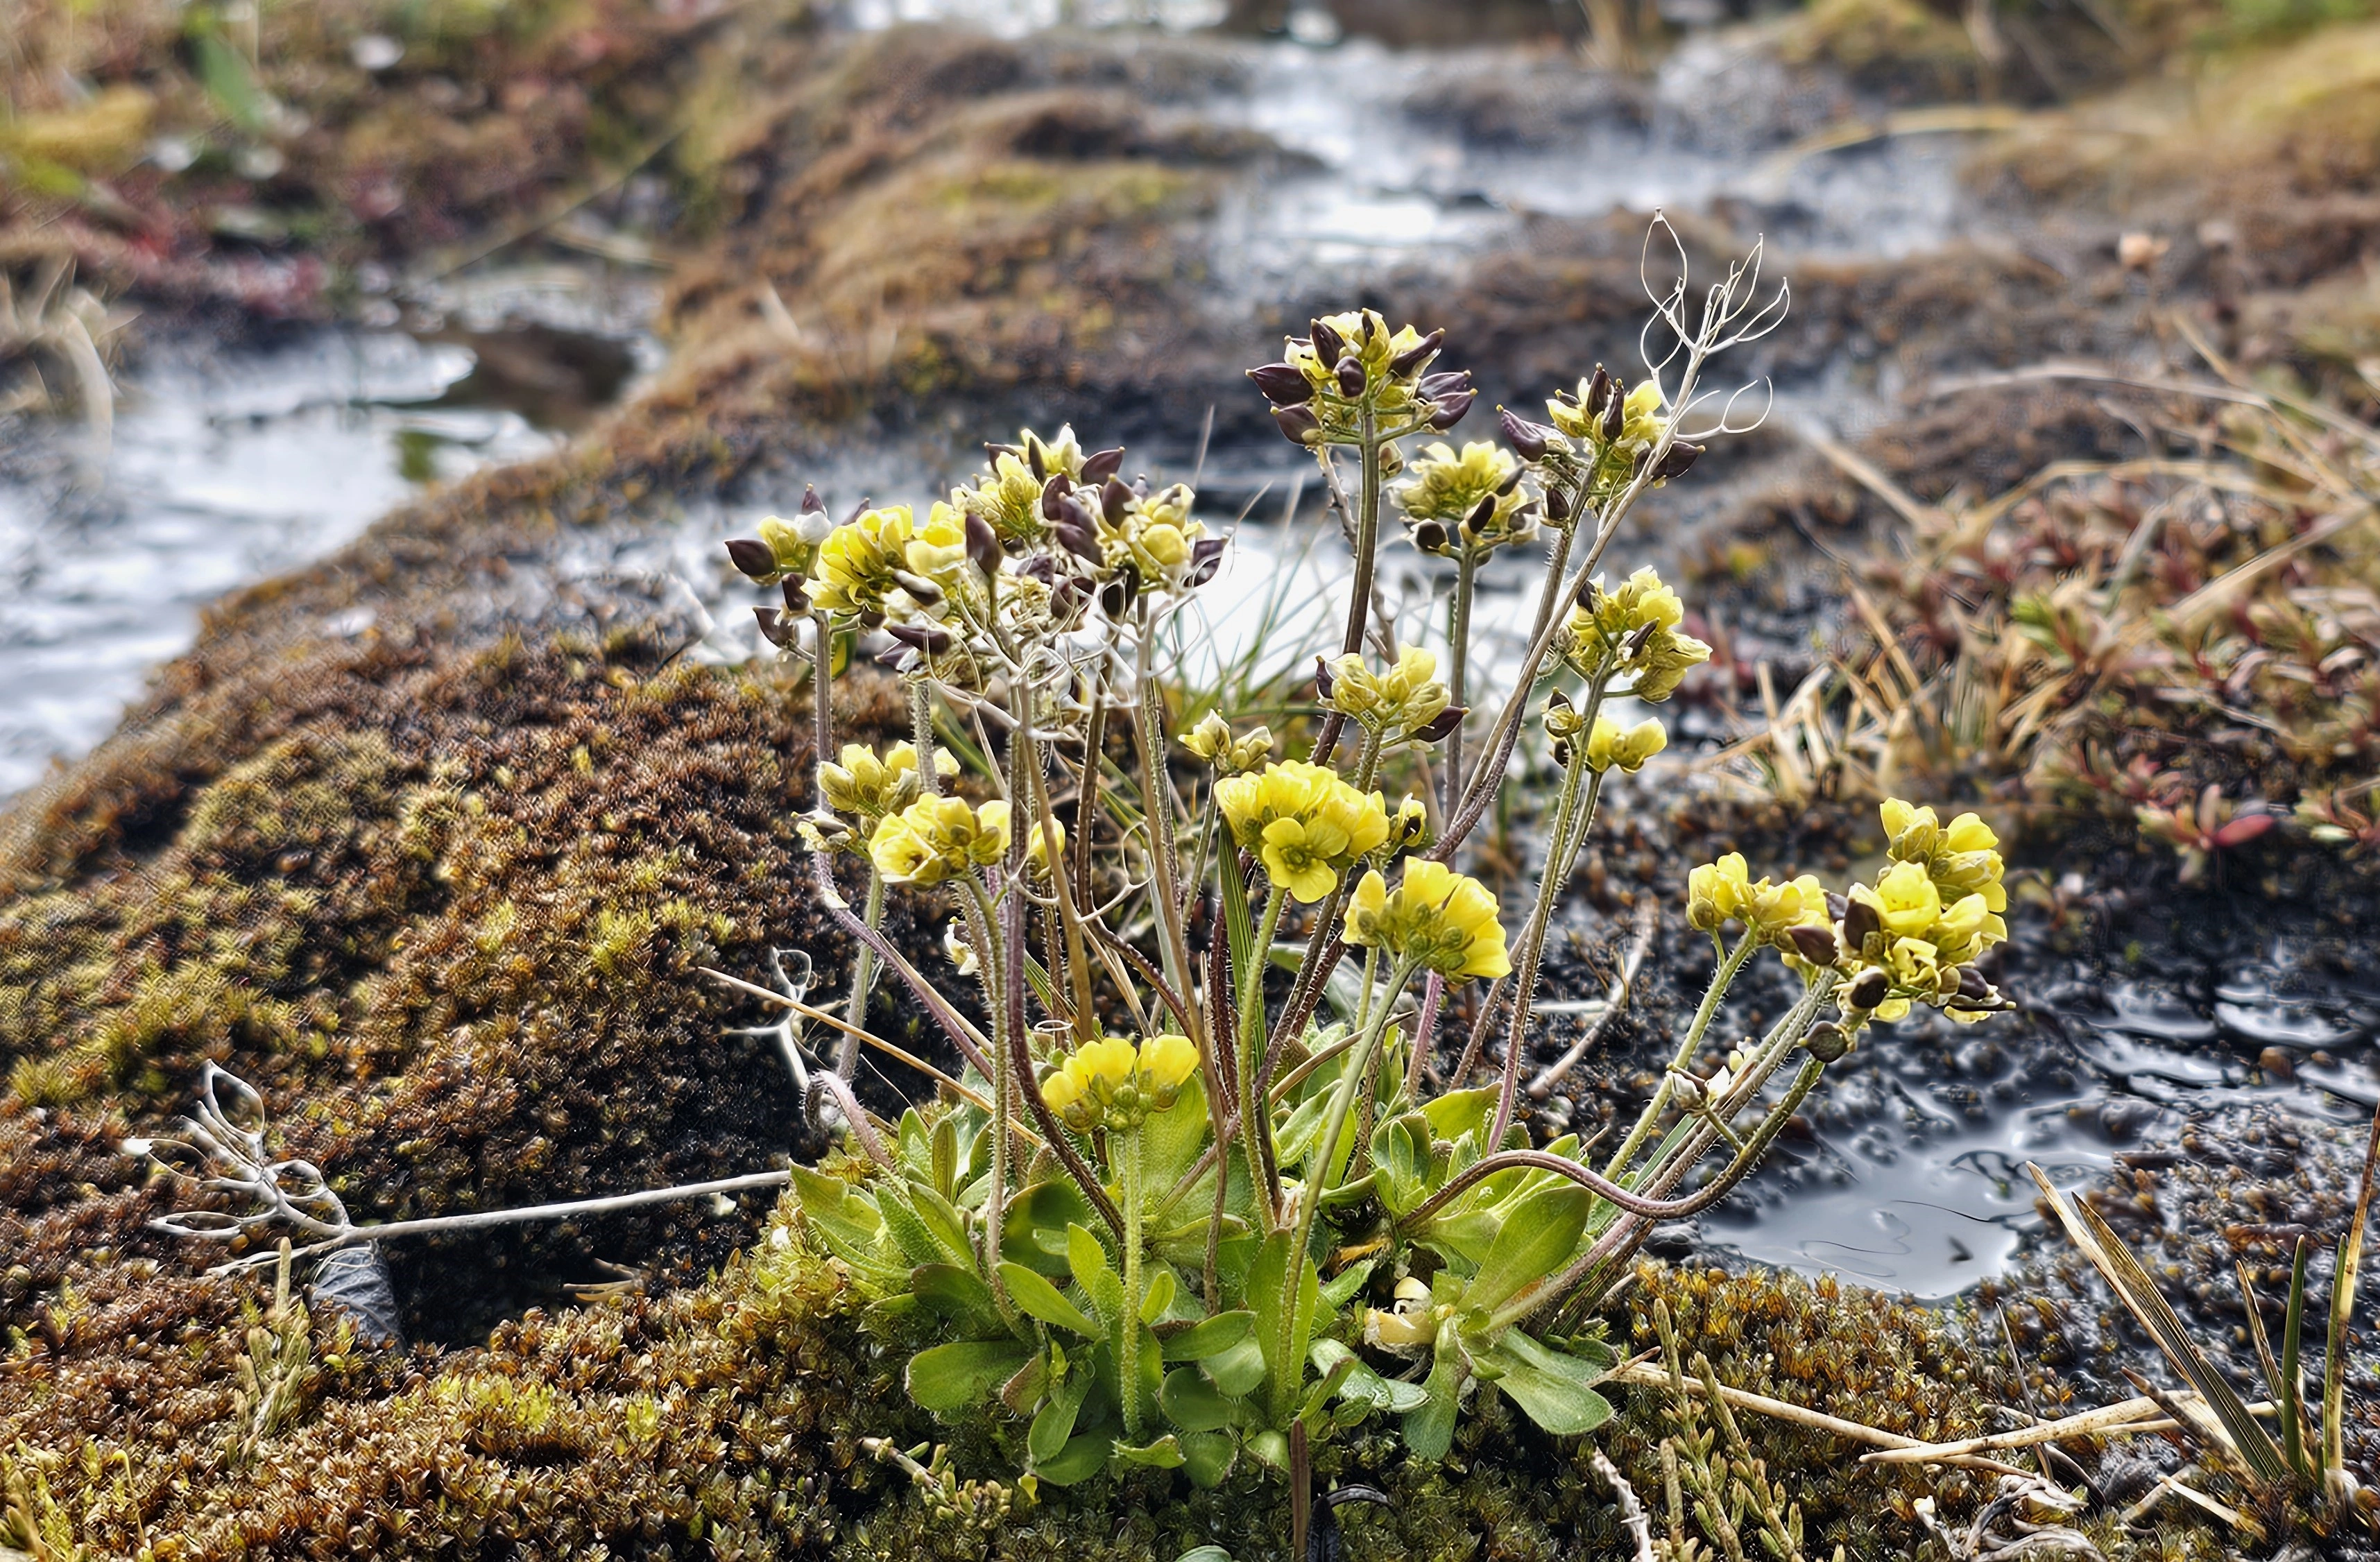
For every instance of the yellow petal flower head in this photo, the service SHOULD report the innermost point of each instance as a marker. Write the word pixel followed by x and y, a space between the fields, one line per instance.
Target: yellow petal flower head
pixel 856 563
pixel 1212 740
pixel 1963 857
pixel 1440 920
pixel 1153 533
pixel 1305 823
pixel 1403 701
pixel 1166 1064
pixel 1904 900
pixel 1472 503
pixel 993 817
pixel 1298 855
pixel 1409 830
pixel 869 787
pixel 1715 891
pixel 1607 746
pixel 1632 632
pixel 936 839
pixel 1112 1083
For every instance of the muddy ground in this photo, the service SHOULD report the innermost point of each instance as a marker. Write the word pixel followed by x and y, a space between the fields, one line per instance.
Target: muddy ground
pixel 428 838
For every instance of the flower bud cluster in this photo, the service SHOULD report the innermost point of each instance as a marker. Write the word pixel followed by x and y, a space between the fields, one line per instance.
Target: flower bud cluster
pixel 1439 919
pixel 1113 1084
pixel 1407 702
pixel 1348 363
pixel 1632 632
pixel 1306 824
pixel 936 839
pixel 1466 505
pixel 1212 740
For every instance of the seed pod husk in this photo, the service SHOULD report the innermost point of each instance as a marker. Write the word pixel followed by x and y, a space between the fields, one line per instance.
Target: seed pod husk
pixel 1510 483
pixel 919 588
pixel 1114 498
pixel 1860 922
pixel 925 638
pixel 1282 385
pixel 1412 357
pixel 798 597
pixel 1556 507
pixel 1322 679
pixel 1116 594
pixel 1430 537
pixel 752 557
pixel 1437 727
pixel 1481 513
pixel 1206 555
pixel 1679 457
pixel 1432 386
pixel 774 627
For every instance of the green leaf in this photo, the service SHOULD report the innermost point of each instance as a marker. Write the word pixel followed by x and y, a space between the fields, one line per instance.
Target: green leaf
pixel 1345 1284
pixel 1318 1400
pixel 1537 1239
pixel 1284 1293
pixel 1163 1454
pixel 1365 1386
pixel 958 1294
pixel 944 1157
pixel 912 1235
pixel 1429 1428
pixel 230 83
pixel 1053 1425
pixel 1269 1447
pixel 1100 1283
pixel 1458 1112
pixel 847 1224
pixel 1236 1369
pixel 1207 1459
pixel 1172 1140
pixel 1205 1553
pixel 1159 1295
pixel 1081 1458
pixel 1212 1338
pixel 951 1378
pixel 1400 1159
pixel 1033 1234
pixel 942 1219
pixel 1192 1404
pixel 1038 1298
pixel 1554 1388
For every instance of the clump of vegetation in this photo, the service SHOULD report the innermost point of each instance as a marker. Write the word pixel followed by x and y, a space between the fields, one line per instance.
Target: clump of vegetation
pixel 2189 641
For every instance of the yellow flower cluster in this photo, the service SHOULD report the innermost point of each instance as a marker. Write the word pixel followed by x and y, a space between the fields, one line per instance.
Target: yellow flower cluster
pixel 1009 497
pixel 884 564
pixel 1607 745
pixel 867 787
pixel 1304 823
pixel 1391 362
pixel 1211 740
pixel 1439 919
pixel 1722 891
pixel 936 839
pixel 1583 416
pixel 1632 631
pixel 1154 534
pixel 1470 503
pixel 1111 1084
pixel 1407 701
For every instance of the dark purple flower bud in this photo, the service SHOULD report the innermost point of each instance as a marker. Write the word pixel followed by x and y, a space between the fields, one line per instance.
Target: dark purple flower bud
pixel 1032 459
pixel 1598 391
pixel 797 598
pixel 1114 499
pixel 1322 679
pixel 1615 412
pixel 1433 386
pixel 1828 1042
pixel 1364 337
pixel 1412 357
pixel 1868 988
pixel 1298 424
pixel 865 505
pixel 1074 513
pixel 1636 467
pixel 1972 985
pixel 1102 465
pixel 1481 513
pixel 811 503
pixel 753 557
pixel 1053 491
pixel 1860 922
pixel 1838 903
pixel 1813 943
pixel 923 591
pixel 1039 568
pixel 1205 557
pixel 1069 596
pixel 1450 409
pixel 1556 507
pixel 993 453
pixel 1439 726
pixel 982 544
pixel 1510 483
pixel 1679 457
pixel 871 619
pixel 924 636
pixel 1326 344
pixel 1529 438
pixel 1430 537
pixel 1079 540
pixel 1282 385
pixel 775 627
pixel 1351 377
pixel 1117 594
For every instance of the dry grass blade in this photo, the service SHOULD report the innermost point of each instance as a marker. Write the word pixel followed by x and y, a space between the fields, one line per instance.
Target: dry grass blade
pixel 2342 1304
pixel 2134 1285
pixel 1644 1374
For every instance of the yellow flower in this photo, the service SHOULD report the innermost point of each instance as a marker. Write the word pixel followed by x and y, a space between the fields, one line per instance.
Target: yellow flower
pixel 1715 891
pixel 1468 504
pixel 1403 701
pixel 1153 533
pixel 1167 1061
pixel 935 839
pixel 1063 1093
pixel 864 785
pixel 1904 900
pixel 1113 1084
pixel 1607 745
pixel 1440 920
pixel 1632 631
pixel 1298 855
pixel 994 816
pixel 856 561
pixel 1306 824
pixel 1211 740
pixel 1410 826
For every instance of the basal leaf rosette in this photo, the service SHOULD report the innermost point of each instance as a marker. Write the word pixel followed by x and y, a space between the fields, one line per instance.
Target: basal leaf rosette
pixel 1435 919
pixel 1304 823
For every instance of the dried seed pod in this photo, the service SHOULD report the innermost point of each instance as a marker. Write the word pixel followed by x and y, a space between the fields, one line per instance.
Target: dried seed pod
pixel 1206 555
pixel 1828 1042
